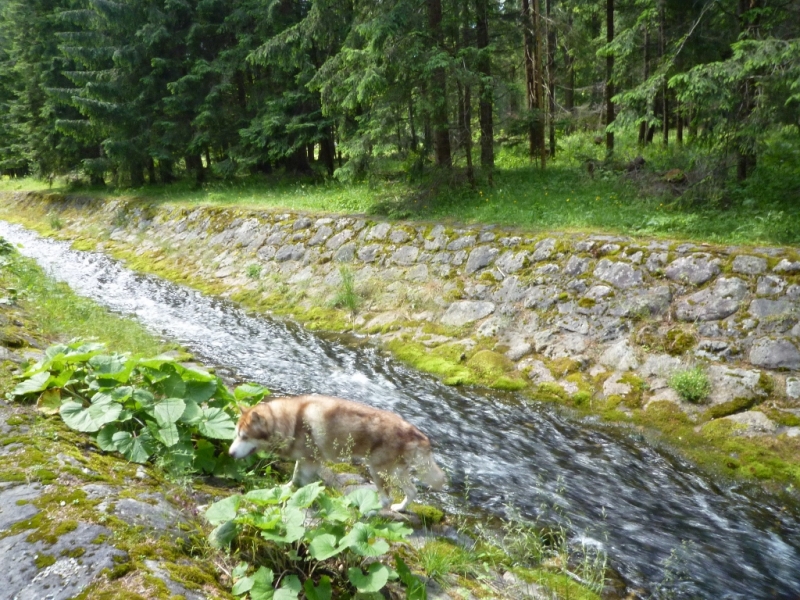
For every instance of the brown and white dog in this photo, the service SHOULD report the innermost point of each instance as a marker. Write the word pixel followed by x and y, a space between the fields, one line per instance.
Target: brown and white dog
pixel 314 429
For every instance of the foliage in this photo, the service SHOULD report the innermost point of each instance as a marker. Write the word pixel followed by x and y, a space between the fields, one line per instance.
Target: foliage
pixel 144 408
pixel 347 297
pixel 692 384
pixel 307 539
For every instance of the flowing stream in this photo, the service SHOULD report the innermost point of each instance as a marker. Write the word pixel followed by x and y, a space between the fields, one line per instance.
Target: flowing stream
pixel 638 503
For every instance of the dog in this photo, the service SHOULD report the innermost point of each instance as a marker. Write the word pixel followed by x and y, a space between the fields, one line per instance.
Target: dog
pixel 313 429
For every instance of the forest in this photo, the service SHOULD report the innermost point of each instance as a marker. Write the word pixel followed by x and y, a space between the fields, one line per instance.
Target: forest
pixel 135 92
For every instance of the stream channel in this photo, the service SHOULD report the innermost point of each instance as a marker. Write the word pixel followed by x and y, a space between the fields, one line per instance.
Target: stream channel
pixel 638 503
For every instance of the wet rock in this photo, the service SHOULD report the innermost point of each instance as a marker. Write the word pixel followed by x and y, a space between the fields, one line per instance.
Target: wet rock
pixel 462 312
pixel 152 511
pixel 754 422
pixel 479 258
pixel 714 303
pixel 694 269
pixel 620 275
pixel 15 504
pixel 775 354
pixel 749 265
pixel 619 356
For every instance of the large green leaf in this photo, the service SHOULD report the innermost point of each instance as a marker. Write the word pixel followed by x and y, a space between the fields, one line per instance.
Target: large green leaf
pixel 200 391
pixel 37 383
pixel 305 496
pixel 168 435
pixel 323 591
pixel 173 386
pixel 199 375
pixel 290 588
pixel 168 411
pixel 105 437
pixel 143 398
pixel 250 393
pixel 223 510
pixel 49 402
pixel 92 418
pixel 365 499
pixel 192 414
pixel 114 367
pixel 262 585
pixel 223 534
pixel 135 448
pixel 376 577
pixel 324 546
pixel 217 424
pixel 274 495
pixel 362 540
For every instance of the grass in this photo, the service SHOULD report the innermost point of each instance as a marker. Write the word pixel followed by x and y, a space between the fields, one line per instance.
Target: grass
pixel 565 196
pixel 691 384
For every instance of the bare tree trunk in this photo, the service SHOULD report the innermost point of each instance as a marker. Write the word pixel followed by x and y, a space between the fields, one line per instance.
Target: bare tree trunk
pixel 746 156
pixel 485 105
pixel 643 124
pixel 664 91
pixel 609 76
pixel 441 127
pixel 540 121
pixel 414 142
pixel 530 75
pixel 678 122
pixel 551 79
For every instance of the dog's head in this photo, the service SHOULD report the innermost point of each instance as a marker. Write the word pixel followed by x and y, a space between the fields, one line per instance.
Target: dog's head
pixel 252 432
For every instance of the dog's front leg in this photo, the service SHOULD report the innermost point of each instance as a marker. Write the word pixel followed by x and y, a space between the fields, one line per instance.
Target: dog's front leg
pixel 305 472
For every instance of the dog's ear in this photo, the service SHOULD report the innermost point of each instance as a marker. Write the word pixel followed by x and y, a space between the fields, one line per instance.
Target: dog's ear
pixel 242 407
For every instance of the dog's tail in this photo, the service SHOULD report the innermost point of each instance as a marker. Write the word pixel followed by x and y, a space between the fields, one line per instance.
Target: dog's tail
pixel 429 472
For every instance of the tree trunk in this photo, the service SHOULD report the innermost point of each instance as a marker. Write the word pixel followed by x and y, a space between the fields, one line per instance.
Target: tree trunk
pixel 194 166
pixel 551 79
pixel 678 122
pixel 609 76
pixel 438 88
pixel 664 91
pixel 646 44
pixel 151 170
pixel 746 156
pixel 327 151
pixel 414 142
pixel 540 121
pixel 530 75
pixel 485 105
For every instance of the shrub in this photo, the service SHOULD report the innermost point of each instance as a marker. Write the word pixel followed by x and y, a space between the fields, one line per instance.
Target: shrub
pixel 691 384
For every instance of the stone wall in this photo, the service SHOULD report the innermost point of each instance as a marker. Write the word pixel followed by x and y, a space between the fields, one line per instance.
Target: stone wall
pixel 581 317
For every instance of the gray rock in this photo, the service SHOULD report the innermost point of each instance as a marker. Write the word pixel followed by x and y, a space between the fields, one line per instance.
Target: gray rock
pixel 598 292
pixel 644 303
pixel 462 312
pixel 775 354
pixel 511 262
pixel 543 250
pixel 346 253
pixel 574 323
pixel 541 297
pixel 399 236
pixel 15 504
pixel 620 275
pixel 749 265
pixel 322 234
pixel 614 387
pixel 712 304
pixel 466 241
pixel 486 236
pixel 67 577
pixel 659 365
pixel 302 223
pixel 6 354
pixel 754 422
pixel 566 345
pixel 152 512
pixel 479 258
pixel 656 261
pixel 728 384
pixel 537 371
pixel 175 589
pixel 786 266
pixel 405 255
pixel 762 308
pixel 418 273
pixel 519 349
pixel 793 387
pixel 793 292
pixel 379 231
pixel 290 252
pixel 339 239
pixel 548 269
pixel 511 290
pixel 607 249
pixel 369 253
pixel 576 266
pixel 769 285
pixel 695 269
pixel 619 356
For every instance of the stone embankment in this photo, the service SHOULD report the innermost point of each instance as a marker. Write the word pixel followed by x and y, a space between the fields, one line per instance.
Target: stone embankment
pixel 590 320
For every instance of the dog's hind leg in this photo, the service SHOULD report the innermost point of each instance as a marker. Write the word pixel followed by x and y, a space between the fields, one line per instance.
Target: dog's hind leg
pixel 408 487
pixel 381 482
pixel 305 471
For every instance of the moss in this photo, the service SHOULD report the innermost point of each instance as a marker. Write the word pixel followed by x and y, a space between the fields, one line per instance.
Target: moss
pixel 74 553
pixel 561 367
pixel 15 420
pixel 190 575
pixel 509 384
pixel 422 358
pixel 557 583
pixel 783 418
pixel 430 515
pixel 587 303
pixel 490 365
pixel 552 392
pixel 44 560
pixel 731 407
pixel 678 341
pixel 766 384
pixel 562 297
pixel 582 398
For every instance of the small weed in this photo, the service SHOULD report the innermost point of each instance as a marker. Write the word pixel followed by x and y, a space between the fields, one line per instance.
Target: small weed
pixel 55 222
pixel 691 384
pixel 254 271
pixel 347 297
